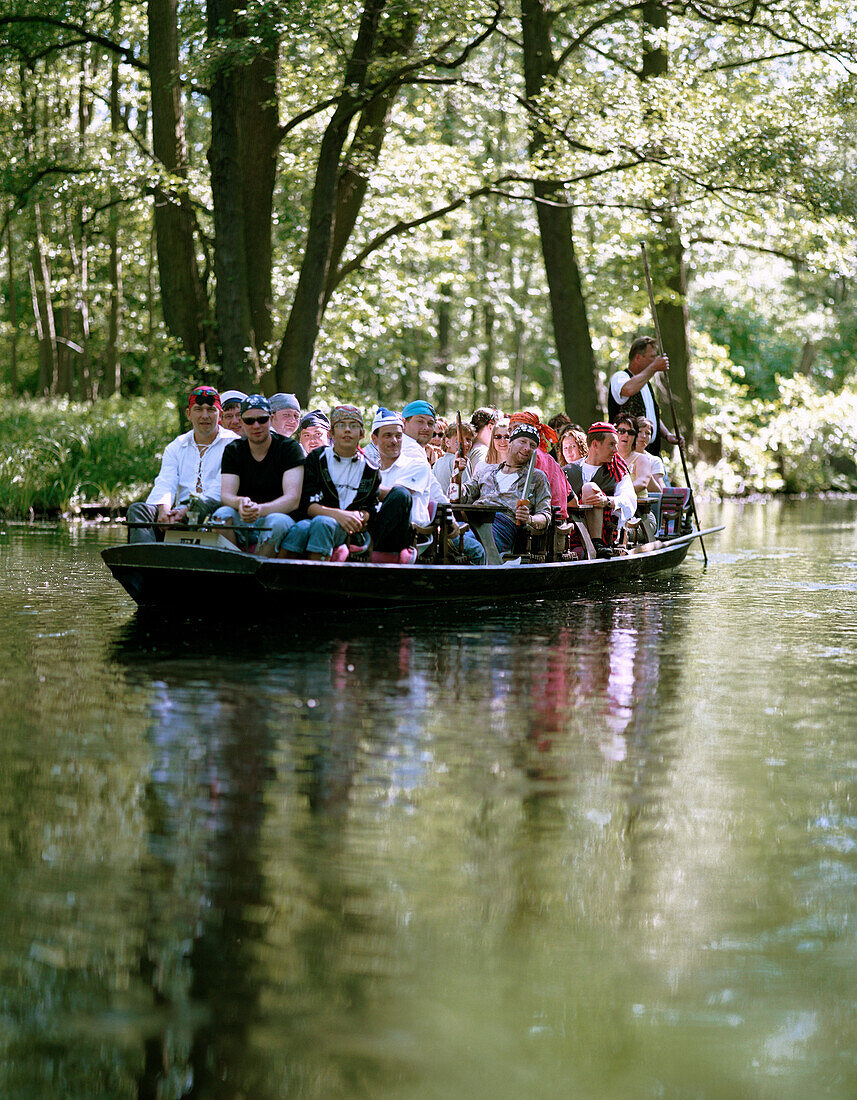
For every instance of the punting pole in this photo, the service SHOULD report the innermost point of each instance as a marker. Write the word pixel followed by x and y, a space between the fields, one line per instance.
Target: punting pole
pixel 666 378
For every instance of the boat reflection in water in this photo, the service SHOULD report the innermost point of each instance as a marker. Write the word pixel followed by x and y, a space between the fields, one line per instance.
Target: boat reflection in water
pixel 344 821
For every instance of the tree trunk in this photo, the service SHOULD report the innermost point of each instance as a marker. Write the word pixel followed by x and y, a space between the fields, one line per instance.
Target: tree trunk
pixel 295 359
pixel 183 299
pixel 259 138
pixel 568 306
pixel 112 359
pixel 444 334
pixel 237 345
pixel 44 308
pixel 365 148
pixel 13 312
pixel 669 270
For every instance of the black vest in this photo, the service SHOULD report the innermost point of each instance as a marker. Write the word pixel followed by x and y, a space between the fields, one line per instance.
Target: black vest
pixel 605 481
pixel 636 406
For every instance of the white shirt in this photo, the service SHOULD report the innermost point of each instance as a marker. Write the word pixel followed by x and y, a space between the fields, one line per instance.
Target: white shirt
pixel 182 467
pixel 618 381
pixel 415 476
pixel 346 474
pixel 624 495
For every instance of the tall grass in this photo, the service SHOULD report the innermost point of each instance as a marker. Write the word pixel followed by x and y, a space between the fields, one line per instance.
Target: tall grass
pixel 56 455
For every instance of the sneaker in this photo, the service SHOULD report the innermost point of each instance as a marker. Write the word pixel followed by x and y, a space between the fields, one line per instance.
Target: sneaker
pixel 601 551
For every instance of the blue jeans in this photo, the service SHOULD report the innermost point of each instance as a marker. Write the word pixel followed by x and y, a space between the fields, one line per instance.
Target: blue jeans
pixel 319 535
pixel 278 525
pixel 504 528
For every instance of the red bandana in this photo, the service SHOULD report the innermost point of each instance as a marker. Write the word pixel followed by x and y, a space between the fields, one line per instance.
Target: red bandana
pixel 617 465
pixel 204 395
pixel 546 435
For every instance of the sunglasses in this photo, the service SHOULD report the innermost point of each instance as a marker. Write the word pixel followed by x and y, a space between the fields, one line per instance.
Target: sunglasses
pixel 497 435
pixel 256 419
pixel 625 431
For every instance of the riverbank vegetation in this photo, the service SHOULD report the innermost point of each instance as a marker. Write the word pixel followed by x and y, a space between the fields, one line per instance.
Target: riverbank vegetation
pixel 58 456
pixel 374 199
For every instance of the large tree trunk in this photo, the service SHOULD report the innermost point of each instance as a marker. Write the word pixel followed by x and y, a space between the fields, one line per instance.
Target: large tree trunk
pixel 403 22
pixel 568 306
pixel 668 268
pixel 236 339
pixel 295 359
pixel 258 134
pixel 183 299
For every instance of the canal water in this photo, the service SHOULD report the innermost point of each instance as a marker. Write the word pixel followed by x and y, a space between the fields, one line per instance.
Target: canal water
pixel 606 848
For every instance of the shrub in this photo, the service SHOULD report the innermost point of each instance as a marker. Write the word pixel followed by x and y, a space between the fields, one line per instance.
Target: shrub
pixel 57 454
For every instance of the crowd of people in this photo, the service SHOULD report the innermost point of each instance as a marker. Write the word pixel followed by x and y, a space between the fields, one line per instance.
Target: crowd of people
pixel 286 482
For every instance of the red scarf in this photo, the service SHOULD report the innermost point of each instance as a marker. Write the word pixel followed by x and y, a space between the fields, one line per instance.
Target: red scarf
pixel 546 435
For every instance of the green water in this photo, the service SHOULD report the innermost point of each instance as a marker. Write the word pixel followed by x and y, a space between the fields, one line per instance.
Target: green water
pixel 598 849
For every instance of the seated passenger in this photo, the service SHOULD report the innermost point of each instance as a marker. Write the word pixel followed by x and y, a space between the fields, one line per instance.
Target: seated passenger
pixel 545 460
pixel 645 434
pixel 604 487
pixel 231 415
pixel 571 444
pixel 640 469
pixel 285 413
pixel 444 467
pixel 503 484
pixel 437 444
pixel 415 476
pixel 313 430
pixel 404 491
pixel 261 480
pixel 190 466
pixel 498 448
pixel 340 491
pixel 482 421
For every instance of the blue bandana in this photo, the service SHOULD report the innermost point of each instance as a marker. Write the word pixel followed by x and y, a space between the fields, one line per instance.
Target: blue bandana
pixel 418 408
pixel 256 401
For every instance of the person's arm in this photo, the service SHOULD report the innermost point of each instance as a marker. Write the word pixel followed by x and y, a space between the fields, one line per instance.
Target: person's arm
pixel 293 481
pixel 349 520
pixel 229 491
pixel 656 478
pixel 540 501
pixel 166 485
pixel 642 472
pixel 636 382
pixel 668 436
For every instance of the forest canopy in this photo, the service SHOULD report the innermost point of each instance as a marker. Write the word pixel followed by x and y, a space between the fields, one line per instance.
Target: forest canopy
pixel 382 198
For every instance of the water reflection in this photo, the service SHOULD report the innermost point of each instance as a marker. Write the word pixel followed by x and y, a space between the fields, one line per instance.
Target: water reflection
pixel 605 848
pixel 278 780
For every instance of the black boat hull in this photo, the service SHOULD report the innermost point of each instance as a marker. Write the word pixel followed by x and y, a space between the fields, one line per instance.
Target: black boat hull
pixel 167 575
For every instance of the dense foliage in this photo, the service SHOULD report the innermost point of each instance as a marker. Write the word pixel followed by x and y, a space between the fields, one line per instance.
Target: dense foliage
pixel 56 455
pixel 377 198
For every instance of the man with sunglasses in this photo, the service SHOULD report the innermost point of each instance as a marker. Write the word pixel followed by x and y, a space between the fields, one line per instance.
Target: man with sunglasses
pixel 190 467
pixel 261 481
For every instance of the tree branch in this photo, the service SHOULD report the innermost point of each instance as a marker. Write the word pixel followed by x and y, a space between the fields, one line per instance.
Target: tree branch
pixel 75 28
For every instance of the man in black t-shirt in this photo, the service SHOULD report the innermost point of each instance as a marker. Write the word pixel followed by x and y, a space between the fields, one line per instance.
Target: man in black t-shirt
pixel 261 481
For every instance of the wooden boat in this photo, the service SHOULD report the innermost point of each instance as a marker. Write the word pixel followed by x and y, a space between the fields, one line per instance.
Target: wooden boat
pixel 168 574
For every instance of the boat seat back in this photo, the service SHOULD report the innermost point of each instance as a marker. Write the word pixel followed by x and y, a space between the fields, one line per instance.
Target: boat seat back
pixel 675 505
